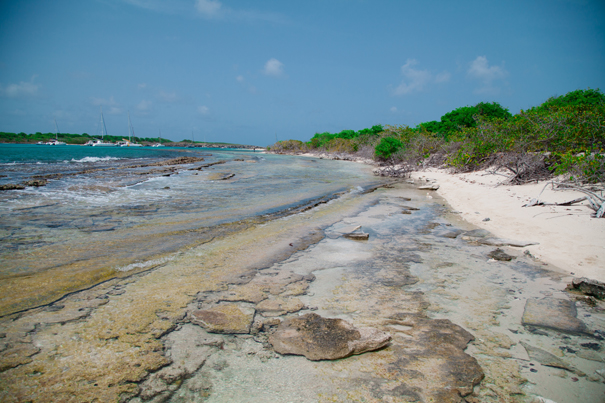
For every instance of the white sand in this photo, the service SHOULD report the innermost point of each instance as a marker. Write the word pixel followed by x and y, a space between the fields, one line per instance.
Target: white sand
pixel 569 238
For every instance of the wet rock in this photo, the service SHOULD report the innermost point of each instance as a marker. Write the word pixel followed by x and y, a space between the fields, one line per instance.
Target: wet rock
pixel 226 318
pixel 548 359
pixel 552 313
pixel 588 287
pixel 188 348
pixel 11 186
pixel 499 254
pixel 36 182
pixel 319 338
pixel 476 233
pixel 434 186
pixel 220 176
pixel 278 307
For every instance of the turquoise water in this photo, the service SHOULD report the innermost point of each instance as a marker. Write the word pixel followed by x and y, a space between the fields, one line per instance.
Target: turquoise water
pixel 113 210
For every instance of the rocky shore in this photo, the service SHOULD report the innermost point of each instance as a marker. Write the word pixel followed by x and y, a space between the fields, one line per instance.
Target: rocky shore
pixel 426 307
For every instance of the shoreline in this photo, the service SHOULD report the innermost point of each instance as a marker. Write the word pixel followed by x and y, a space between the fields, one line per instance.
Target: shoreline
pixel 568 237
pixel 200 325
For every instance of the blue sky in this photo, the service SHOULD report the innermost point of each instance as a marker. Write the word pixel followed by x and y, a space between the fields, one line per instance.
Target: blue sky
pixel 250 71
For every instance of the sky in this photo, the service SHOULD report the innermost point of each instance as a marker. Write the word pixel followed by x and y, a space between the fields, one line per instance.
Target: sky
pixel 251 72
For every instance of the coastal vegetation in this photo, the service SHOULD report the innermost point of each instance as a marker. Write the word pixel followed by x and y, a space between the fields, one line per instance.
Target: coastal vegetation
pixel 563 135
pixel 33 138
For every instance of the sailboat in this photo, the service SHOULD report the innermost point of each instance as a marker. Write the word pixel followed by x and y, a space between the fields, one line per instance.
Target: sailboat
pixel 97 142
pixel 129 143
pixel 160 143
pixel 55 141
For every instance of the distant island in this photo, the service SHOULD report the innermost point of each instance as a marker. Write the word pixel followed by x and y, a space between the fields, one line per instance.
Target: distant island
pixel 81 139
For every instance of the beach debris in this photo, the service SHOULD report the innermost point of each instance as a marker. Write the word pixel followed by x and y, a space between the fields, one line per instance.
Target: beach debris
pixel 499 254
pixel 588 287
pixel 319 338
pixel 357 234
pixel 547 359
pixel 595 201
pixel 433 186
pixel 406 212
pixel 552 313
pixel 397 171
pixel 540 399
pixel 225 318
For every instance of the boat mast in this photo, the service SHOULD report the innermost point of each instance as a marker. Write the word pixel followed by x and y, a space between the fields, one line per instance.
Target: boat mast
pixel 129 126
pixel 103 127
pixel 56 131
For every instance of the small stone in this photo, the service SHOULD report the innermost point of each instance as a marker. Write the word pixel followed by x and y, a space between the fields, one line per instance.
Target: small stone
pixel 499 254
pixel 486 219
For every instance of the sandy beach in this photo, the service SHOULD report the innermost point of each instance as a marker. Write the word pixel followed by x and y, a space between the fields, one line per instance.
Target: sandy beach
pixel 567 236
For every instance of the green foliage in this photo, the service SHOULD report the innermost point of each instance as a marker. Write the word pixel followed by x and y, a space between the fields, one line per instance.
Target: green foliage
pixel 387 147
pixel 587 98
pixel 289 146
pixel 321 140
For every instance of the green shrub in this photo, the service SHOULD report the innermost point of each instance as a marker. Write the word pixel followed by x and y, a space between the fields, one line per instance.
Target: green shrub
pixel 387 147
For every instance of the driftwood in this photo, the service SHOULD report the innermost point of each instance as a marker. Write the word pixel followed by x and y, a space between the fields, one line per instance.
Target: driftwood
pixel 595 201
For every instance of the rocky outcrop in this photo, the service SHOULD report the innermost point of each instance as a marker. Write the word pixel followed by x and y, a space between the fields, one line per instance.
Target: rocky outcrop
pixel 588 287
pixel 319 338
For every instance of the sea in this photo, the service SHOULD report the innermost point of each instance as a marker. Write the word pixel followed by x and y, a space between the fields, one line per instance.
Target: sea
pixel 102 212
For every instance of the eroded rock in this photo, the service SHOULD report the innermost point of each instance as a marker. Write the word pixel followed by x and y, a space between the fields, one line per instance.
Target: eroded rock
pixel 319 338
pixel 588 286
pixel 226 318
pixel 279 306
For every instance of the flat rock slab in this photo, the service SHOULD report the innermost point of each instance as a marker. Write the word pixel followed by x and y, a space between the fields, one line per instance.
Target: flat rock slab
pixel 319 338
pixel 552 313
pixel 279 306
pixel 548 359
pixel 226 318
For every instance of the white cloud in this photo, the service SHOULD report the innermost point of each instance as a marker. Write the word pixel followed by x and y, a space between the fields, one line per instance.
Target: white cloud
pixel 203 110
pixel 443 77
pixel 142 86
pixel 23 89
pixel 114 110
pixel 240 79
pixel 393 109
pixel 414 80
pixel 481 70
pixel 168 96
pixel 103 102
pixel 144 106
pixel 208 8
pixel 274 67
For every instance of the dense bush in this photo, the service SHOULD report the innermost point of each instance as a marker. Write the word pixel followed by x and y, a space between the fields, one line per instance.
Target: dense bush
pixel 564 135
pixel 387 147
